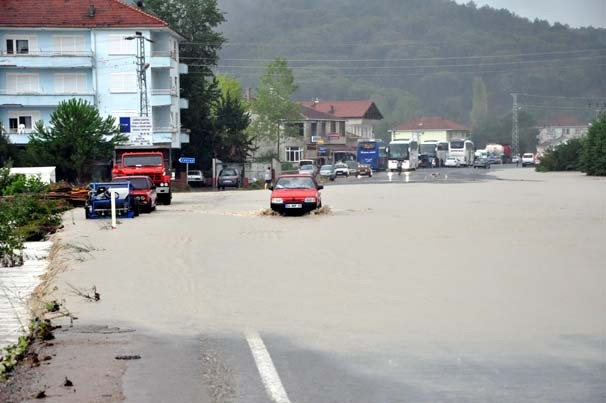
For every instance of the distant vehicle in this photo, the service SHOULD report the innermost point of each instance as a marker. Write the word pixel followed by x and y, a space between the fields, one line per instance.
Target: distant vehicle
pixel 306 162
pixel 364 170
pixel 308 170
pixel 425 161
pixel 143 191
pixel 352 167
pixel 452 162
pixel 434 149
pixel 405 152
pixel 195 177
pixel 229 177
pixel 481 162
pixel 341 169
pixel 372 153
pixel 528 159
pixel 494 159
pixel 296 194
pixel 515 159
pixel 328 171
pixel 463 150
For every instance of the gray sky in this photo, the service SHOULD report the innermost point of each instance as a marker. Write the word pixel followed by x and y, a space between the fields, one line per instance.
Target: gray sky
pixel 576 13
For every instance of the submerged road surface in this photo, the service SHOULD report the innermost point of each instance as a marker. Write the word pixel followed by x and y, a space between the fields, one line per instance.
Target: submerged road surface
pixel 479 290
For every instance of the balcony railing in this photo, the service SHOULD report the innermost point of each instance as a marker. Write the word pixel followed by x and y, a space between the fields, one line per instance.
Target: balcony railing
pixel 164 91
pixel 164 53
pixel 47 53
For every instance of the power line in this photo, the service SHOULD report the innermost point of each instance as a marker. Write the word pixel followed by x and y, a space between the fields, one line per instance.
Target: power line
pixel 560 97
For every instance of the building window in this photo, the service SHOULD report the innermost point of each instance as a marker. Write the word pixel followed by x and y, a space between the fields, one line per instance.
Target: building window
pixel 22 83
pixel 293 154
pixel 68 44
pixel 123 82
pixel 17 46
pixel 21 122
pixel 120 46
pixel 70 83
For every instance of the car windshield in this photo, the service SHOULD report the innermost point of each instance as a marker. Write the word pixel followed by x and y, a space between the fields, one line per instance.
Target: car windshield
pixel 340 166
pixel 307 168
pixel 295 182
pixel 138 183
pixel 326 168
pixel 195 173
pixel 352 164
pixel 228 172
pixel 142 160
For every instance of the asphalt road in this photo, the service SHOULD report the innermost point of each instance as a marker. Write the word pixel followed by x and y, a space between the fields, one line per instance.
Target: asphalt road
pixel 489 288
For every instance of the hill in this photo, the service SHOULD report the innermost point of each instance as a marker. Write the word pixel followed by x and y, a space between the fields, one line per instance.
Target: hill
pixel 417 57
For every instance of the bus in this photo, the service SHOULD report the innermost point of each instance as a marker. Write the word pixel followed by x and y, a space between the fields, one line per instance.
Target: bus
pixel 404 151
pixel 435 149
pixel 463 150
pixel 372 153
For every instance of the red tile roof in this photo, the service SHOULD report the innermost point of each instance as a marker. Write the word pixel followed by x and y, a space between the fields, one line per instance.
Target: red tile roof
pixel 347 109
pixel 74 14
pixel 311 113
pixel 564 121
pixel 431 123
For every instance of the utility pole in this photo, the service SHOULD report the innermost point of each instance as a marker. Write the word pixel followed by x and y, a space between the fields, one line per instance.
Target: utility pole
pixel 141 71
pixel 515 136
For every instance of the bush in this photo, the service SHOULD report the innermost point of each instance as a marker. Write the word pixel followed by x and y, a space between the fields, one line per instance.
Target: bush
pixel 563 157
pixel 593 157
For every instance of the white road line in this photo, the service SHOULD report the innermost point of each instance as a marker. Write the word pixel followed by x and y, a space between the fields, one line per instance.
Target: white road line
pixel 269 375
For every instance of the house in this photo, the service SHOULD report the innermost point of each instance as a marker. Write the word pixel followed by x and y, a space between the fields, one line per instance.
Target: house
pixel 54 50
pixel 430 128
pixel 558 131
pixel 360 117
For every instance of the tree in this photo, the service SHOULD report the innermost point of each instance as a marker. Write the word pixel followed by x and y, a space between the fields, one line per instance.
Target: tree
pixel 75 140
pixel 273 107
pixel 593 156
pixel 563 157
pixel 229 85
pixel 231 121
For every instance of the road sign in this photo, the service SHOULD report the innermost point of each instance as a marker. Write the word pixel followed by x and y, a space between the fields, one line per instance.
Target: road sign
pixel 138 129
pixel 187 160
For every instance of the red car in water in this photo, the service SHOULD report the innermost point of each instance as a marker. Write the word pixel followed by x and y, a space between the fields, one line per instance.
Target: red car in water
pixel 295 194
pixel 144 191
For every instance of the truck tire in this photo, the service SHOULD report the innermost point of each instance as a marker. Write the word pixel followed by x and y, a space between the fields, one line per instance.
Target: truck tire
pixel 168 199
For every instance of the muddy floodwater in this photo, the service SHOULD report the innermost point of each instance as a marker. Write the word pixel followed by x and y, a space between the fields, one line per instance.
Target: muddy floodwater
pixel 487 290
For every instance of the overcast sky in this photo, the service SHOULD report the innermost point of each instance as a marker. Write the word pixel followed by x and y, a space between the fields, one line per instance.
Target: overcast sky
pixel 576 13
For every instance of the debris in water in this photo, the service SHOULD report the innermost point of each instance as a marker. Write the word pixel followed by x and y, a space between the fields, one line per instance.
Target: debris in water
pixel 128 357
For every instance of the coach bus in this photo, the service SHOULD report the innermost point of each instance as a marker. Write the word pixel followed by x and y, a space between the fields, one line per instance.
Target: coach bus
pixel 404 151
pixel 435 150
pixel 463 150
pixel 372 153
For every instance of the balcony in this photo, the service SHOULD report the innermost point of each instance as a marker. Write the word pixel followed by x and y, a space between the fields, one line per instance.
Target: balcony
pixel 36 60
pixel 161 59
pixel 19 139
pixel 164 134
pixel 40 99
pixel 163 97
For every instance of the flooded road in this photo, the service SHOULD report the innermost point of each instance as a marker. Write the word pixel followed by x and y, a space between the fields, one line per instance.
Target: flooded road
pixel 474 291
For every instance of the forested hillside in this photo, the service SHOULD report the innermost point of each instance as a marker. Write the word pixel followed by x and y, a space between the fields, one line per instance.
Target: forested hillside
pixel 418 57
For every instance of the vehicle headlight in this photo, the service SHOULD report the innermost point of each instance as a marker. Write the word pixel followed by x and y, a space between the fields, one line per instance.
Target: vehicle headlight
pixel 277 200
pixel 310 200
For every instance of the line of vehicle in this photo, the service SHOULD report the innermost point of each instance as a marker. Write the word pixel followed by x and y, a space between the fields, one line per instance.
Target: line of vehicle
pixel 267 370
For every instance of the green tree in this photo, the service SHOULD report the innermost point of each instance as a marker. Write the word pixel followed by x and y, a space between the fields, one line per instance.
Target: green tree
pixel 563 157
pixel 273 107
pixel 76 139
pixel 231 122
pixel 593 156
pixel 6 151
pixel 479 110
pixel 229 85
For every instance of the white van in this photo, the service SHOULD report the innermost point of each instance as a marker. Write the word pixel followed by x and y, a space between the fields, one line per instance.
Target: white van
pixel 527 159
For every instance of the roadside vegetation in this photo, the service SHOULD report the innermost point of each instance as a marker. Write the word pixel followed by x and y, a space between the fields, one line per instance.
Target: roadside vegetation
pixel 26 214
pixel 586 154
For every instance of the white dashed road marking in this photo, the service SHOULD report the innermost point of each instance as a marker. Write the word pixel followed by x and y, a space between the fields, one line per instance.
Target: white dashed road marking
pixel 269 375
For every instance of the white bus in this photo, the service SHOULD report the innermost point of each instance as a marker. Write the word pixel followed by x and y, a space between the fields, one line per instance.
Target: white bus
pixel 435 149
pixel 405 151
pixel 463 150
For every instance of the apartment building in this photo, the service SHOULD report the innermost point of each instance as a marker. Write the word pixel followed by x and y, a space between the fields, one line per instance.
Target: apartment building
pixel 54 50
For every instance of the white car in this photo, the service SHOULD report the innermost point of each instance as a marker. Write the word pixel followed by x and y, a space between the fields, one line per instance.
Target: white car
pixel 341 169
pixel 195 177
pixel 452 162
pixel 527 159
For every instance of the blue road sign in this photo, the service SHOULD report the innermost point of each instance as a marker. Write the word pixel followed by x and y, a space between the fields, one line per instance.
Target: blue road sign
pixel 187 160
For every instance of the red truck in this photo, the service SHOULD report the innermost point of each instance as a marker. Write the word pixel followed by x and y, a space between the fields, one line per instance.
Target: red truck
pixel 152 161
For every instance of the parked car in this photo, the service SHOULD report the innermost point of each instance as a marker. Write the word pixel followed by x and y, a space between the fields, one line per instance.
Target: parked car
pixel 364 170
pixel 424 161
pixel 494 159
pixel 143 191
pixel 352 167
pixel 481 162
pixel 308 170
pixel 328 171
pixel 297 193
pixel 229 177
pixel 195 177
pixel 452 162
pixel 527 159
pixel 341 169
